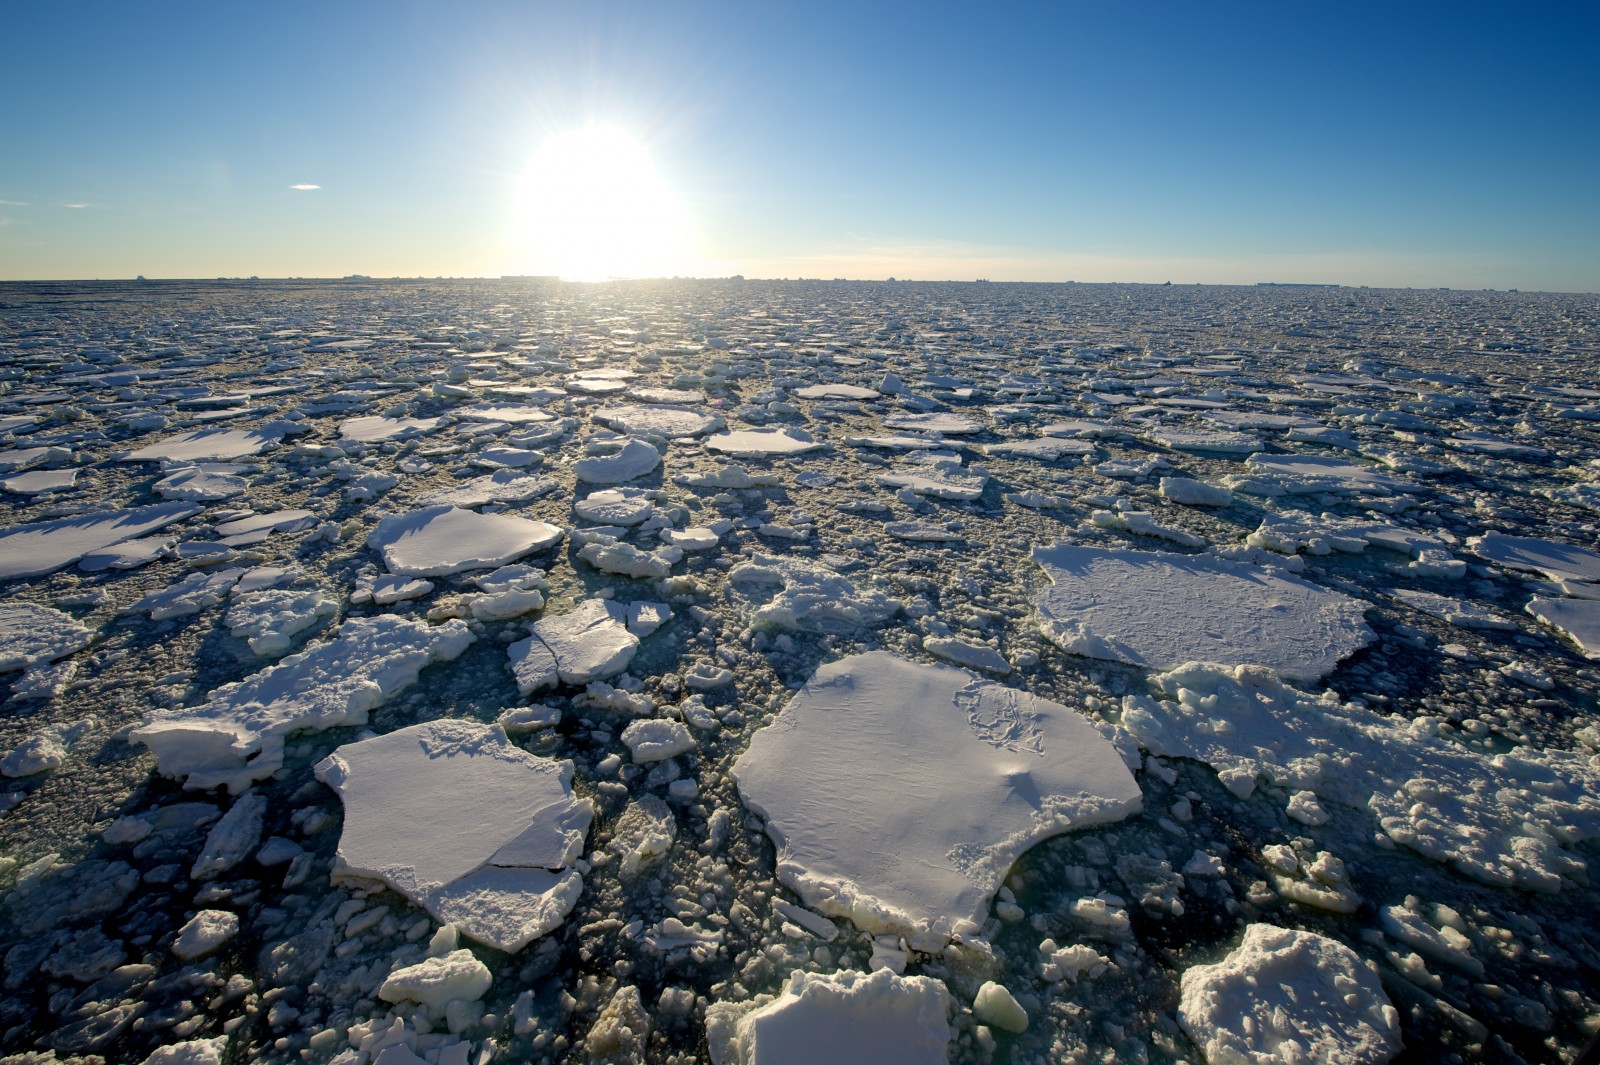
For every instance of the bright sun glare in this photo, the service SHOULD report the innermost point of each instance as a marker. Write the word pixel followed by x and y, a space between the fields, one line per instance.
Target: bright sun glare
pixel 594 206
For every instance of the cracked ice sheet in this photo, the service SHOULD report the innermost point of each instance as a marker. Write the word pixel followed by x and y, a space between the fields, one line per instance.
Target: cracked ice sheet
pixel 1159 609
pixel 899 794
pixel 236 737
pixel 1505 819
pixel 464 823
pixel 42 547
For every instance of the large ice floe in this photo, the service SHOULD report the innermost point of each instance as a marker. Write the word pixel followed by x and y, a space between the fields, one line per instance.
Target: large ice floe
pixel 1159 609
pixel 922 784
pixel 1283 997
pixel 236 736
pixel 42 547
pixel 498 864
pixel 441 540
pixel 843 1018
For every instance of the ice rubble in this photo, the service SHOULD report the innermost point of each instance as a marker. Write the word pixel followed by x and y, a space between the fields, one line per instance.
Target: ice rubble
pixel 31 635
pixel 1160 609
pixel 498 863
pixel 1283 997
pixel 236 737
pixel 1506 819
pixel 843 1018
pixel 921 785
pixel 441 540
pixel 42 547
pixel 810 597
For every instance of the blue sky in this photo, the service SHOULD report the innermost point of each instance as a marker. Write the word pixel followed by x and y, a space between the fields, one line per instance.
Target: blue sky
pixel 1363 144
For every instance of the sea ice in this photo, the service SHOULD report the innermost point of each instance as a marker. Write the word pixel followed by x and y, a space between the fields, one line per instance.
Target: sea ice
pixel 1285 996
pixel 899 794
pixel 31 634
pixel 589 643
pixel 940 479
pixel 756 443
pixel 665 421
pixel 376 429
pixel 441 540
pixel 42 547
pixel 1505 819
pixel 1159 609
pixel 1577 619
pixel 236 737
pixel 201 445
pixel 842 1018
pixel 464 823
pixel 810 597
pixel 1558 561
pixel 617 461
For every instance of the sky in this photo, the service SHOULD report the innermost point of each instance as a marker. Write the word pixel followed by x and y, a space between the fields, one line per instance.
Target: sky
pixel 1389 145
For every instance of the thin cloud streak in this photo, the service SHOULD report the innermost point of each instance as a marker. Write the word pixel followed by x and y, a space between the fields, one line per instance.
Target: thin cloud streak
pixel 304 187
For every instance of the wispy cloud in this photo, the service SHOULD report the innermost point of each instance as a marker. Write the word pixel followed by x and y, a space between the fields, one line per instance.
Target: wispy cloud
pixel 13 203
pixel 75 206
pixel 304 187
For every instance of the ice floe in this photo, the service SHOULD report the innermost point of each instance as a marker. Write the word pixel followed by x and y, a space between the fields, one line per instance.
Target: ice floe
pixel 42 547
pixel 1161 609
pixel 440 540
pixel 922 784
pixel 236 736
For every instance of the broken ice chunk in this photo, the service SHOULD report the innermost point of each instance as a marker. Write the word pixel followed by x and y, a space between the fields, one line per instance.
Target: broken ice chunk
pixel 843 1018
pixel 618 461
pixel 31 634
pixel 495 865
pixel 755 443
pixel 589 643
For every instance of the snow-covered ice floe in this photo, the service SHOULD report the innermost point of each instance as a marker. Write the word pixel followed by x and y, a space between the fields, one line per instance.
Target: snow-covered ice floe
pixel 1158 609
pixel 464 823
pixel 899 794
pixel 236 736
pixel 441 540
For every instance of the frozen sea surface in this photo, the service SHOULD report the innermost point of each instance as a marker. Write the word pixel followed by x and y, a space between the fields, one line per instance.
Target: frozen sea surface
pixel 474 672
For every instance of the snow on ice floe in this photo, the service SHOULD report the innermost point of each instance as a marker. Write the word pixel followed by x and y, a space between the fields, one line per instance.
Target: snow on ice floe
pixel 464 823
pixel 658 420
pixel 1558 561
pixel 202 445
pixel 843 1018
pixel 1505 819
pixel 1158 609
pixel 440 540
pixel 1220 441
pixel 31 635
pixel 203 482
pixel 40 482
pixel 934 422
pixel 42 547
pixel 501 486
pixel 236 736
pixel 757 443
pixel 1287 996
pixel 899 794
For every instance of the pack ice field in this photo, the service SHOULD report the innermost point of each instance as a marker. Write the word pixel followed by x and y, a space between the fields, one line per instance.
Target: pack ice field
pixel 751 672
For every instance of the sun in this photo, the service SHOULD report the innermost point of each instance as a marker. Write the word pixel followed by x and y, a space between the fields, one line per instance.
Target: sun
pixel 594 206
